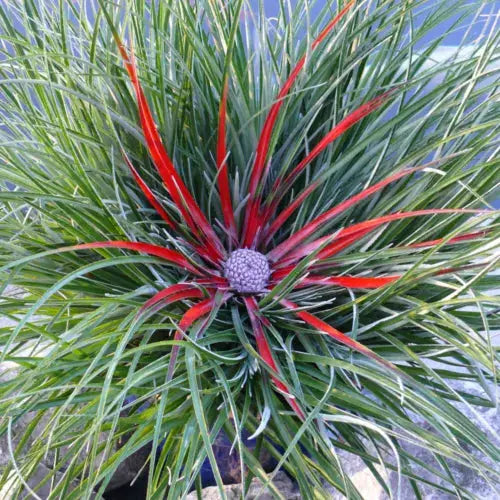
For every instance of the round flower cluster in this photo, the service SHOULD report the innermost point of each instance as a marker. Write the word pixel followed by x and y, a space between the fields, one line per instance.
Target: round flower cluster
pixel 247 271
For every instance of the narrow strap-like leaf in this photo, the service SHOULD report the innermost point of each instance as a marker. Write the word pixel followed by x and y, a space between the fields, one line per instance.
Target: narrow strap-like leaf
pixel 340 337
pixel 175 186
pixel 337 246
pixel 370 225
pixel 348 281
pixel 369 282
pixel 450 241
pixel 164 253
pixel 190 316
pixel 265 352
pixel 266 133
pixel 171 294
pixel 281 185
pixel 338 209
pixel 355 282
pixel 285 214
pixel 312 226
pixel 257 176
pixel 148 193
pixel 359 228
pixel 213 281
pixel 222 171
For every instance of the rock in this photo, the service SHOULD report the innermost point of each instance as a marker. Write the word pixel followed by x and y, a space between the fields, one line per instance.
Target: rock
pixel 485 418
pixel 361 477
pixel 126 472
pixel 43 491
pixel 283 483
pixel 229 463
pixel 130 468
pixel 8 371
pixel 489 423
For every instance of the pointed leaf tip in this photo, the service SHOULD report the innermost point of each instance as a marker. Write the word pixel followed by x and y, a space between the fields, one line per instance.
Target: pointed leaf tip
pixel 258 174
pixel 164 253
pixel 174 184
pixel 148 193
pixel 264 350
pixel 222 170
pixel 340 337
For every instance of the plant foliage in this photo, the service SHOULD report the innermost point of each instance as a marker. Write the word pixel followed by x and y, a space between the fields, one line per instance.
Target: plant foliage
pixel 143 142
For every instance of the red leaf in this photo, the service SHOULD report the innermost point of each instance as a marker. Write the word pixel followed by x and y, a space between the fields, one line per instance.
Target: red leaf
pixel 266 133
pixel 281 185
pixel 372 224
pixel 213 281
pixel 348 281
pixel 195 312
pixel 336 246
pixel 172 294
pixel 456 239
pixel 346 241
pixel 205 252
pixel 175 186
pixel 337 131
pixel 335 334
pixel 265 352
pixel 360 228
pixel 148 193
pixel 285 214
pixel 355 282
pixel 222 174
pixel 253 223
pixel 449 270
pixel 169 255
pixel 278 274
pixel 310 228
pixel 190 316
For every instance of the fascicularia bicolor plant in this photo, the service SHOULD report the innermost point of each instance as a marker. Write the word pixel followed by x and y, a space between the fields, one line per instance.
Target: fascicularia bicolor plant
pixel 250 290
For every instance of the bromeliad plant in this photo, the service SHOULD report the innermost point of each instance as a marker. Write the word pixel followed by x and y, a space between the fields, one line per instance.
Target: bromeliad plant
pixel 307 298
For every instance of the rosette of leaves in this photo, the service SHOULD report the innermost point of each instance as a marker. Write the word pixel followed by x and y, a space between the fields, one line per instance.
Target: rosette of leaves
pixel 226 222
